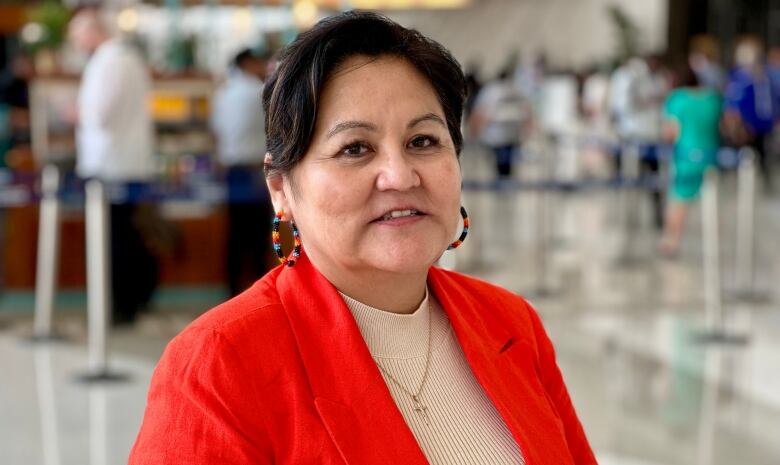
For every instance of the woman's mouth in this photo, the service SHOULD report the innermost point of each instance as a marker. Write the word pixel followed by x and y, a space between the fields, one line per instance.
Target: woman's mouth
pixel 400 216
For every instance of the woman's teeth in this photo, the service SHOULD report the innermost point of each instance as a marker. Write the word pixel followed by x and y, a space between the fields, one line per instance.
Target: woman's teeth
pixel 398 214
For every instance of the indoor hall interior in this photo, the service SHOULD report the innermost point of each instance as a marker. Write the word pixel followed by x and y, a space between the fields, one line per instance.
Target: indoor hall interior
pixel 648 391
pixel 665 323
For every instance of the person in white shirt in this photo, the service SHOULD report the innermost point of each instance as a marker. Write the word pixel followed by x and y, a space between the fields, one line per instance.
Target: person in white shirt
pixel 640 89
pixel 637 92
pixel 497 119
pixel 115 144
pixel 238 122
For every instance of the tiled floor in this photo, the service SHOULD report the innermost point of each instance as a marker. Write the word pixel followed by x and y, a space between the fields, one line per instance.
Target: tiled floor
pixel 649 392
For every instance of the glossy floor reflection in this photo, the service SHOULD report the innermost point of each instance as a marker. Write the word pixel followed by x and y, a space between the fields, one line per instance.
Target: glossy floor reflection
pixel 627 332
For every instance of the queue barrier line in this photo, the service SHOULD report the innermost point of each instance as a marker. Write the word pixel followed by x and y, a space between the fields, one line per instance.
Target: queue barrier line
pixel 717 325
pixel 97 197
pixel 214 192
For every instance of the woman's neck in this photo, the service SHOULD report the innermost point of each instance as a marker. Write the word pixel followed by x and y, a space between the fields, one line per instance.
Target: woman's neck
pixel 400 297
pixel 399 293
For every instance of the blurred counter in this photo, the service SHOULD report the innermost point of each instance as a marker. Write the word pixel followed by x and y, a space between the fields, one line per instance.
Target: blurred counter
pixel 179 106
pixel 185 147
pixel 192 224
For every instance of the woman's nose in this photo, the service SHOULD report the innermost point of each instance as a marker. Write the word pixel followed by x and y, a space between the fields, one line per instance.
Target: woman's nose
pixel 397 171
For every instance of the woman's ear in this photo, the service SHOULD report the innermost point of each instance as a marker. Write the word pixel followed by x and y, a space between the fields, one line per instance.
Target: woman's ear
pixel 275 184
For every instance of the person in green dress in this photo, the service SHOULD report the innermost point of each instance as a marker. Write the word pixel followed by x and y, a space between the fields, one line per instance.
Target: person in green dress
pixel 692 116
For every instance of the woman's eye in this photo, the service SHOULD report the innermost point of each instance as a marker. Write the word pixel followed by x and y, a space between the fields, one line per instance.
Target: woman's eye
pixel 421 142
pixel 354 149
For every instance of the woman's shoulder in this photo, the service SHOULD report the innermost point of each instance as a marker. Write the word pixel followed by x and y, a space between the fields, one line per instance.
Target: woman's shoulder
pixel 498 308
pixel 255 302
pixel 240 321
pixel 487 293
pixel 713 96
pixel 694 93
pixel 678 94
pixel 472 284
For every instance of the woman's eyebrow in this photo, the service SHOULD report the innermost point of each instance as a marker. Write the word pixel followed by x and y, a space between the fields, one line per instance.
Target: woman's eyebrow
pixel 426 117
pixel 343 126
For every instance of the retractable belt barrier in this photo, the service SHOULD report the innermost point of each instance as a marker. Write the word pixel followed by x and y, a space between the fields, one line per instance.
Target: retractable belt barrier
pixel 52 189
pixel 629 183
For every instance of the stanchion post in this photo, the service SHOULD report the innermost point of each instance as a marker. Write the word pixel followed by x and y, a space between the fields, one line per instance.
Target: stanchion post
pixel 98 272
pixel 629 169
pixel 746 197
pixel 711 252
pixel 98 288
pixel 48 254
pixel 542 242
pixel 542 252
pixel 717 331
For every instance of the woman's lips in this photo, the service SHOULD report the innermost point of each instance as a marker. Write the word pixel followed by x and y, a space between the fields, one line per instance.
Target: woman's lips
pixel 398 212
pixel 400 221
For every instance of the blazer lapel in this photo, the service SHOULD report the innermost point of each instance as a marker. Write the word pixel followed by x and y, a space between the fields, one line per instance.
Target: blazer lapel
pixel 504 362
pixel 350 394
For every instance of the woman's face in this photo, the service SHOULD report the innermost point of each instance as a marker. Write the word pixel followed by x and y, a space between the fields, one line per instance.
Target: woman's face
pixel 379 188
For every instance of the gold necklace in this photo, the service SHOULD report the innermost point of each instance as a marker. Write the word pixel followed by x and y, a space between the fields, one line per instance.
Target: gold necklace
pixel 419 407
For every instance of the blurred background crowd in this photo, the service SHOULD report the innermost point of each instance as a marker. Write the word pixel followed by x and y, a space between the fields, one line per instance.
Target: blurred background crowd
pixel 590 130
pixel 186 79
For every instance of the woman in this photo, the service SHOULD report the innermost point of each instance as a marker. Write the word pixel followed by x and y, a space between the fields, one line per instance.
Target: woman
pixel 692 114
pixel 363 352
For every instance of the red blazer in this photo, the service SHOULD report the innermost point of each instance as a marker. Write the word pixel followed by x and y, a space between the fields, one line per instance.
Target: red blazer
pixel 281 374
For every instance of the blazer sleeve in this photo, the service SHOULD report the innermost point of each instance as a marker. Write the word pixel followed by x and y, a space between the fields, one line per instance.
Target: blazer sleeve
pixel 196 412
pixel 559 396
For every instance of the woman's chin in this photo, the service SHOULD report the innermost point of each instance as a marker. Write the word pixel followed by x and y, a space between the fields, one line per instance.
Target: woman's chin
pixel 405 261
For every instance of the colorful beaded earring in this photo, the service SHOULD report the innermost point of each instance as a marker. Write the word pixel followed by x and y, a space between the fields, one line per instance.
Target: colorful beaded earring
pixel 278 241
pixel 465 231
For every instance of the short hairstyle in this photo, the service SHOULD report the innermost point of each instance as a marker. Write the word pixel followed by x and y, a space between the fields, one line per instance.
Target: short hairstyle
pixel 247 54
pixel 241 57
pixel 749 50
pixel 88 17
pixel 684 76
pixel 706 45
pixel 292 94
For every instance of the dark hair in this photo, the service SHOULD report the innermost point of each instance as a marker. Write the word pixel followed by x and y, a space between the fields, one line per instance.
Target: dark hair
pixel 242 57
pixel 684 76
pixel 292 93
pixel 248 54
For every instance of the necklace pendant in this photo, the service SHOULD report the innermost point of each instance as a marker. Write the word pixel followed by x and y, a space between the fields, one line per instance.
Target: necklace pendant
pixel 421 409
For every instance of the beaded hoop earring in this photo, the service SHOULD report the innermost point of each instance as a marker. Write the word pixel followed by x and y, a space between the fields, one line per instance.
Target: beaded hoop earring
pixel 296 253
pixel 465 231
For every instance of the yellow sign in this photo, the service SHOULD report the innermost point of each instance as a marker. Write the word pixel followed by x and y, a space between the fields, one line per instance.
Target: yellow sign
pixel 170 108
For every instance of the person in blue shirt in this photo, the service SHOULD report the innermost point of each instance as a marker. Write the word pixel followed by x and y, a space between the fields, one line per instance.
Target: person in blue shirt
pixel 751 104
pixel 773 68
